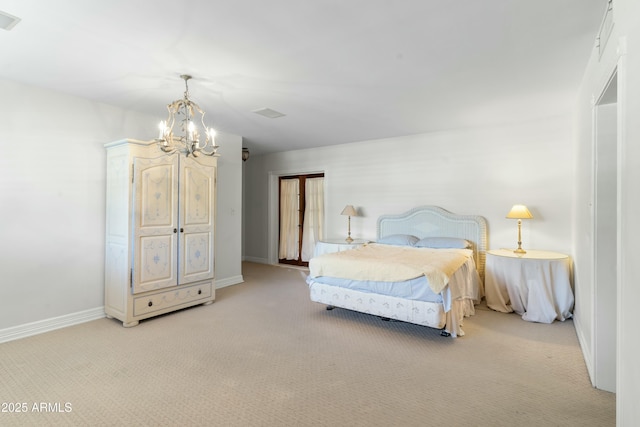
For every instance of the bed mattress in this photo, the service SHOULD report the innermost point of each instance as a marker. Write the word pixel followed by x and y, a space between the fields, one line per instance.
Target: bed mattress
pixel 464 284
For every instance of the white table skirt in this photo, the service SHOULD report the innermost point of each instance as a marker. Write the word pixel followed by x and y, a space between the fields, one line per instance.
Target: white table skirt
pixel 537 285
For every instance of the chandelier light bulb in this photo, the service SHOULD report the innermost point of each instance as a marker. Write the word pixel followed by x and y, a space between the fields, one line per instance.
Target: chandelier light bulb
pixel 192 132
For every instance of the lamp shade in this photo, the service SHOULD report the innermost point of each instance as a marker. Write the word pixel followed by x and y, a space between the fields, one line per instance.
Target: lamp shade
pixel 349 210
pixel 519 212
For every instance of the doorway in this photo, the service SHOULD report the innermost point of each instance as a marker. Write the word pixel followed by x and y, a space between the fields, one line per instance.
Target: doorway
pixel 606 236
pixel 301 217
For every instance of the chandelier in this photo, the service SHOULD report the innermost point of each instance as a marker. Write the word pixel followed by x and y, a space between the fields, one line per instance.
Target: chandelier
pixel 181 120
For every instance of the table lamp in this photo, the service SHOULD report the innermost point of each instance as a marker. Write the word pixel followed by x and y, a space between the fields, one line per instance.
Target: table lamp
pixel 349 211
pixel 519 212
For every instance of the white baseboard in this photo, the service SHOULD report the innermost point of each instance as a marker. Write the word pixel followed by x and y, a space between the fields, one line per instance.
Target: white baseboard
pixel 586 351
pixel 229 281
pixel 256 260
pixel 47 325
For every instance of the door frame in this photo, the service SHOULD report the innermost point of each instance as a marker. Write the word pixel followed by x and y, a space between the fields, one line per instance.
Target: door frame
pixel 604 305
pixel 273 214
pixel 302 197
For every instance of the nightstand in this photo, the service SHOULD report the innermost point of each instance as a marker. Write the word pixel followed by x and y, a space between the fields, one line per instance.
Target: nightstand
pixel 336 245
pixel 536 285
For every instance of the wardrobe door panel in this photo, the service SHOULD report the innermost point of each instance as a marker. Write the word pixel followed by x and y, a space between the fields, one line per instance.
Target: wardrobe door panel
pixel 155 223
pixel 197 207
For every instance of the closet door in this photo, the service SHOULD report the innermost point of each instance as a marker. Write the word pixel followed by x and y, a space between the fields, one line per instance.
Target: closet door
pixel 196 231
pixel 155 222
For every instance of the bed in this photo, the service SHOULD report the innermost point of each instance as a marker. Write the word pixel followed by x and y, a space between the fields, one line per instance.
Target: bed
pixel 426 267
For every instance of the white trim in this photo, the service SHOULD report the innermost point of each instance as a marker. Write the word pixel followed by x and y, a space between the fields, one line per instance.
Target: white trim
pixel 590 349
pixel 606 27
pixel 273 218
pixel 615 66
pixel 48 325
pixel 587 351
pixel 256 260
pixel 622 328
pixel 597 309
pixel 234 280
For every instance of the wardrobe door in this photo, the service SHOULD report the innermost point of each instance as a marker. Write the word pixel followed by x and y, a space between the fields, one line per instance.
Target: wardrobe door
pixel 197 214
pixel 155 222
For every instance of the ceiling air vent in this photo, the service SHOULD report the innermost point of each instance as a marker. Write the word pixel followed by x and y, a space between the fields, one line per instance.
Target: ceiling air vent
pixel 7 21
pixel 268 112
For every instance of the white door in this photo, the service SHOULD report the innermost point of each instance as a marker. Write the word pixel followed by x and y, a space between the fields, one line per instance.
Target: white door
pixel 155 218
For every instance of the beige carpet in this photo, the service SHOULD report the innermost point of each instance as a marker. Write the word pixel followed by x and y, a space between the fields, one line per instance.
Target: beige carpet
pixel 264 355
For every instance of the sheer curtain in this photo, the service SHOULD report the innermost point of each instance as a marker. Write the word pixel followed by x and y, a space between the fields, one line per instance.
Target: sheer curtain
pixel 313 216
pixel 289 191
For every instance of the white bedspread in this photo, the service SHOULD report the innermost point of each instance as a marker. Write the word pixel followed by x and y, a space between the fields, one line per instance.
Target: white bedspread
pixel 389 263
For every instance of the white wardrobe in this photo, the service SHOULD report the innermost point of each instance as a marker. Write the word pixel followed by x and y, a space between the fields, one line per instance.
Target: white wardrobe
pixel 160 224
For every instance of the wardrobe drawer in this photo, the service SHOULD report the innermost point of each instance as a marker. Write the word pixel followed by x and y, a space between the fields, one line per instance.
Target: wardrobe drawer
pixel 168 299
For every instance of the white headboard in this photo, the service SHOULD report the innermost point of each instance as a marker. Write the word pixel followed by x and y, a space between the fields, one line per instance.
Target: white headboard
pixel 432 221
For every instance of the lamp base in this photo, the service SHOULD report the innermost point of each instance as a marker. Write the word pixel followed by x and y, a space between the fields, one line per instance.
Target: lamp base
pixel 520 251
pixel 348 239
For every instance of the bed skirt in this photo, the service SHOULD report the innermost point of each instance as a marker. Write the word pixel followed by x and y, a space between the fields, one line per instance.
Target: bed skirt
pixel 429 314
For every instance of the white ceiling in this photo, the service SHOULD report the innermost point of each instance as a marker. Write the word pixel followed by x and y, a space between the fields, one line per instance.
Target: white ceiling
pixel 341 70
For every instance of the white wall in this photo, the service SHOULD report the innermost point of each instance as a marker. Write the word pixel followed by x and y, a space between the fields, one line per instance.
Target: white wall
pixel 52 202
pixel 622 51
pixel 628 390
pixel 228 251
pixel 476 171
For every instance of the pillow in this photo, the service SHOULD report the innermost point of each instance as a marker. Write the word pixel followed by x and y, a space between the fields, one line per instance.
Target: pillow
pixel 399 239
pixel 443 243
